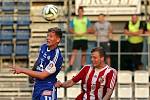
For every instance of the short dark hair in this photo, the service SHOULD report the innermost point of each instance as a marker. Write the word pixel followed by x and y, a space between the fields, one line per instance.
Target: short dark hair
pixel 100 50
pixel 57 31
pixel 101 14
pixel 80 7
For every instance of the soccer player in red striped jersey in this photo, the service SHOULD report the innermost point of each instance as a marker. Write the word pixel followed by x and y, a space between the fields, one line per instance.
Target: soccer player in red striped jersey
pixel 97 80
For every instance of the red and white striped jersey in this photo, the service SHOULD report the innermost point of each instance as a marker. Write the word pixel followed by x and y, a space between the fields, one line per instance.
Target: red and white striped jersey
pixel 94 82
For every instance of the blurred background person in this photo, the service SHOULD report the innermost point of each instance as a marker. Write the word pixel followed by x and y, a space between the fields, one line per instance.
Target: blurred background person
pixel 79 27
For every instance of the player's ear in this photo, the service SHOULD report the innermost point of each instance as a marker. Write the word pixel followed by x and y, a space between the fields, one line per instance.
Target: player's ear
pixel 58 39
pixel 102 58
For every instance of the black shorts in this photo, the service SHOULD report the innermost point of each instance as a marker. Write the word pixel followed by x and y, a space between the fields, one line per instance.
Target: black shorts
pixel 80 44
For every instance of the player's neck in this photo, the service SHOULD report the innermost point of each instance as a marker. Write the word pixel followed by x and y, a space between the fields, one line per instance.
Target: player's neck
pixel 101 66
pixel 52 47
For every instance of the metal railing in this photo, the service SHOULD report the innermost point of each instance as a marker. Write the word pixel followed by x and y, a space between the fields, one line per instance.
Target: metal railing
pixel 121 38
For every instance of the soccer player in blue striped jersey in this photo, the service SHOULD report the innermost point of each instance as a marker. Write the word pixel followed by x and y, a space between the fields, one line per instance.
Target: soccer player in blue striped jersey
pixel 46 68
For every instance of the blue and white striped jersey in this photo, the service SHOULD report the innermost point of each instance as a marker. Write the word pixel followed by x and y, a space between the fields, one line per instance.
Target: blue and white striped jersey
pixel 46 60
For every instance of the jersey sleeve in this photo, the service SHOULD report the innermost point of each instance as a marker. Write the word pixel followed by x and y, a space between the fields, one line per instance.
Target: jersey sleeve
pixel 80 75
pixel 55 64
pixel 51 68
pixel 111 79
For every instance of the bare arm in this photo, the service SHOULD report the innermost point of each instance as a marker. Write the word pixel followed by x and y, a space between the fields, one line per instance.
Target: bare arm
pixel 133 33
pixel 110 29
pixel 71 31
pixel 147 32
pixel 68 83
pixel 35 74
pixel 108 94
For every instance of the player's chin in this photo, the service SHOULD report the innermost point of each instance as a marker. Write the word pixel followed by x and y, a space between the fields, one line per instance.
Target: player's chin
pixel 48 43
pixel 94 64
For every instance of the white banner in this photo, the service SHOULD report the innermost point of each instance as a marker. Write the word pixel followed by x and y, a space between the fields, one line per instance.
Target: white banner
pixel 110 7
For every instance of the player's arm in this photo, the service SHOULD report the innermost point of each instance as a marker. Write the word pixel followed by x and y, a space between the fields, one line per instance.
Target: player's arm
pixel 108 94
pixel 68 83
pixel 73 81
pixel 35 74
pixel 111 80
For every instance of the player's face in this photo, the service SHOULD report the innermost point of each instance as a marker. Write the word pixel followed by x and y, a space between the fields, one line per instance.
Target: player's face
pixel 52 39
pixel 96 59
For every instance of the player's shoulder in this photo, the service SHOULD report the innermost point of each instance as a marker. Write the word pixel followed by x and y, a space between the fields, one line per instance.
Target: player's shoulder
pixel 111 69
pixel 58 54
pixel 44 45
pixel 87 66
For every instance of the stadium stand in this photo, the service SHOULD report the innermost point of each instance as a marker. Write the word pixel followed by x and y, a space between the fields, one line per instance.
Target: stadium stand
pixel 23 20
pixel 7 20
pixel 8 6
pixel 22 50
pixel 125 84
pixel 22 34
pixel 141 82
pixel 6 49
pixel 6 34
pixel 14 47
pixel 23 6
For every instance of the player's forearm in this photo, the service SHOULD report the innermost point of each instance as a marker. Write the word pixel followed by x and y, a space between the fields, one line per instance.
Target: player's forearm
pixel 147 32
pixel 67 84
pixel 34 74
pixel 108 94
pixel 71 31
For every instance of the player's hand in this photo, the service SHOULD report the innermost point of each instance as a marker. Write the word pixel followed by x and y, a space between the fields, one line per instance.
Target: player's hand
pixel 16 70
pixel 58 84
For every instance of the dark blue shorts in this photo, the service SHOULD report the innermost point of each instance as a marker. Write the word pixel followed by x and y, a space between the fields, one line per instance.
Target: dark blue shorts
pixel 80 44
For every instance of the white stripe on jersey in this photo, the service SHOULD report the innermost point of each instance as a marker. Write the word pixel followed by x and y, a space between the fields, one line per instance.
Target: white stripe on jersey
pixel 45 97
pixel 86 79
pixel 94 79
pixel 56 56
pixel 53 93
pixel 113 79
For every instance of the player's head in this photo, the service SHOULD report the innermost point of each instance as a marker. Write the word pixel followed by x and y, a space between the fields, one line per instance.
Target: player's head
pixel 54 36
pixel 80 11
pixel 57 31
pixel 97 56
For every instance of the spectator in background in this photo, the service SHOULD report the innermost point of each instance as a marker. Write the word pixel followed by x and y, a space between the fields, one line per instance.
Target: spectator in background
pixel 133 29
pixel 79 27
pixel 97 80
pixel 103 30
pixel 46 68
